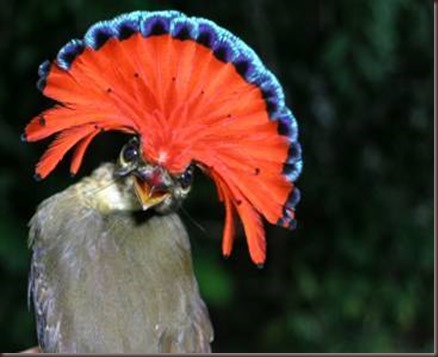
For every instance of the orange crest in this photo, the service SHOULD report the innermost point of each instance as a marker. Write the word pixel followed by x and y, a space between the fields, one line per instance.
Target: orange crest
pixel 192 92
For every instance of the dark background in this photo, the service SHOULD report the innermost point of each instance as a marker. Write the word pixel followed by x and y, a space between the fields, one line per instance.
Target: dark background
pixel 357 274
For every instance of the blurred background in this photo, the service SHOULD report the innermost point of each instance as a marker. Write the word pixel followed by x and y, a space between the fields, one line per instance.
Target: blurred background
pixel 357 274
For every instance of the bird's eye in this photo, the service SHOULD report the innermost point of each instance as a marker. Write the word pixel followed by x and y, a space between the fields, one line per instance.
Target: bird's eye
pixel 186 178
pixel 130 152
pixel 128 157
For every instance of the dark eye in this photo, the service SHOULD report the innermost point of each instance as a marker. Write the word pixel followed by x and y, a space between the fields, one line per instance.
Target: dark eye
pixel 186 178
pixel 130 153
pixel 129 158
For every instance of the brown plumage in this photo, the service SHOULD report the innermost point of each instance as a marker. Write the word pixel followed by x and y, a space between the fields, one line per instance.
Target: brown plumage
pixel 107 278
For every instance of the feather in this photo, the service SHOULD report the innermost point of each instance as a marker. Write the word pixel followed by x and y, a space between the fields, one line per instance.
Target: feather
pixel 192 92
pixel 228 234
pixel 63 143
pixel 79 152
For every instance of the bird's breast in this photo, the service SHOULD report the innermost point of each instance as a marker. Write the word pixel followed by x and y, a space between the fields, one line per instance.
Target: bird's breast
pixel 114 281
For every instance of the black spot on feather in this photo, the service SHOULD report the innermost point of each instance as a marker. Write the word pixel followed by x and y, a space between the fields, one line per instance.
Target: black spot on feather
pixel 271 106
pixel 183 34
pixel 270 100
pixel 126 31
pixel 267 93
pixel 284 128
pixel 42 121
pixel 221 53
pixel 158 29
pixel 242 67
pixel 100 38
pixel 205 39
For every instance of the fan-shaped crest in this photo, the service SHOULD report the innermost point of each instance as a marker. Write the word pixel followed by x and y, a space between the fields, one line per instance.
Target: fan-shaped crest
pixel 192 92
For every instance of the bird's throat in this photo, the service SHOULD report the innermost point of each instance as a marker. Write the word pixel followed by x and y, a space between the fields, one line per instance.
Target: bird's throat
pixel 106 193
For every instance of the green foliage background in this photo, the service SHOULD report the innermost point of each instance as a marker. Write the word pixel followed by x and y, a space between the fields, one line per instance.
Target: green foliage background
pixel 357 274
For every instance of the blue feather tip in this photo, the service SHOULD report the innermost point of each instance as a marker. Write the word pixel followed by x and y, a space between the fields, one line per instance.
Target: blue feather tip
pixel 225 46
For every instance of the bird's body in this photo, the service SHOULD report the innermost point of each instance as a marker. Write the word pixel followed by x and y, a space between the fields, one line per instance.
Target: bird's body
pixel 107 280
pixel 111 268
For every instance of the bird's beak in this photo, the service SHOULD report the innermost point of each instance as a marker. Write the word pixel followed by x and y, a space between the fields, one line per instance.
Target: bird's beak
pixel 148 195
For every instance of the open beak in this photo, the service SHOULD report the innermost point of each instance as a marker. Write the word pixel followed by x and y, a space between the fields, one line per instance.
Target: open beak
pixel 148 196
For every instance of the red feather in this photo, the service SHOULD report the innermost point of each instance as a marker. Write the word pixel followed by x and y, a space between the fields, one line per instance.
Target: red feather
pixel 186 105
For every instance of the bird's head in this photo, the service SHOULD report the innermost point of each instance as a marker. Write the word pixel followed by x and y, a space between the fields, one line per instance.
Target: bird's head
pixel 154 186
pixel 190 92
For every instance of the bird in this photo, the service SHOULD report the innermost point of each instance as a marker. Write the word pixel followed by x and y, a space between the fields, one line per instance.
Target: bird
pixel 111 268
